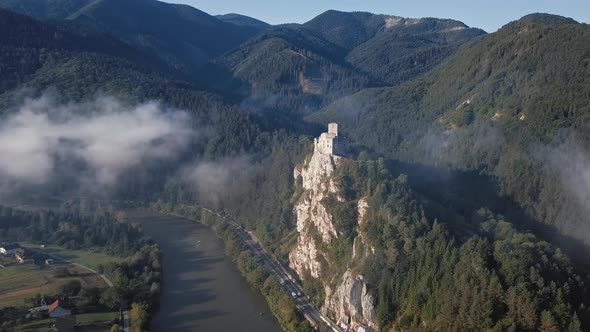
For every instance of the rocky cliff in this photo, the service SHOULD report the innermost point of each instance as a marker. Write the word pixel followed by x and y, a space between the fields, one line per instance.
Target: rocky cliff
pixel 351 303
pixel 347 298
pixel 312 217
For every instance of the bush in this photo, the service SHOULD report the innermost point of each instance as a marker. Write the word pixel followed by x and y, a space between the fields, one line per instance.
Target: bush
pixel 89 296
pixel 71 288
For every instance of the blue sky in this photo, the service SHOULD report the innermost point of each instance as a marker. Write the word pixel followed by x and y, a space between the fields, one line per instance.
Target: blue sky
pixel 486 14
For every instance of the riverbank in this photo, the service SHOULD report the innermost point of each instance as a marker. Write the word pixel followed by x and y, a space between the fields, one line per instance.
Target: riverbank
pixel 252 269
pixel 202 290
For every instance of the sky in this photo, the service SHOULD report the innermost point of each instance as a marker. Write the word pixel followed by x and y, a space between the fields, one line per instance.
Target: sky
pixel 489 15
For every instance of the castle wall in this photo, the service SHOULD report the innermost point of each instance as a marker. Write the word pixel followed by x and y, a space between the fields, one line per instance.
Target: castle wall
pixel 330 143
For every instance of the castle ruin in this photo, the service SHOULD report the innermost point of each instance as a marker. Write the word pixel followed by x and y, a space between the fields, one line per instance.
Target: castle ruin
pixel 330 143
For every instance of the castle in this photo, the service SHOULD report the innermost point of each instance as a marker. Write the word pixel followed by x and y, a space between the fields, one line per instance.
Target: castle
pixel 330 143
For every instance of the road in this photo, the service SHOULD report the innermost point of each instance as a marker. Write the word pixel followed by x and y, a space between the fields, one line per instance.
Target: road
pixel 289 282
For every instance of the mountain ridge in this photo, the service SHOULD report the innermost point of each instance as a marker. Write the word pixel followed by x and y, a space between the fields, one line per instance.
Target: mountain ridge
pixel 183 36
pixel 332 63
pixel 243 20
pixel 498 106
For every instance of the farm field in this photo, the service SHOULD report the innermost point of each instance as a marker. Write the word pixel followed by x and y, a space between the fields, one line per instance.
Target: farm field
pixel 89 257
pixel 86 322
pixel 19 282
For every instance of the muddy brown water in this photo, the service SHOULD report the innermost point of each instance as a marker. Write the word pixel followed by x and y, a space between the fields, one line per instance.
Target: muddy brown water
pixel 202 289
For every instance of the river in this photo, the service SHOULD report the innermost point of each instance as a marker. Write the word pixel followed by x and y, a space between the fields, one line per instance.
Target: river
pixel 202 289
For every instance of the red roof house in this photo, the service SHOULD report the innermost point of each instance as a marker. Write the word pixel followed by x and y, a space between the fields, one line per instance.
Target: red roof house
pixel 55 310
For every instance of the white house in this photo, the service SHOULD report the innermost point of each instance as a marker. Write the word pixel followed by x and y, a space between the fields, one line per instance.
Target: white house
pixel 9 249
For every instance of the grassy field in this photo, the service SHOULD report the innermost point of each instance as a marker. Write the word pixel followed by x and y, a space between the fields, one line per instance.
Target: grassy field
pixel 91 257
pixel 37 326
pixel 86 322
pixel 6 260
pixel 97 317
pixel 21 281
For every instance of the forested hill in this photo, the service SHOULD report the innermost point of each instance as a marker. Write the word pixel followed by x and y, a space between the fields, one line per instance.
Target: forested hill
pixel 48 9
pixel 303 67
pixel 513 105
pixel 244 21
pixel 28 46
pixel 290 70
pixel 39 57
pixel 183 36
pixel 392 49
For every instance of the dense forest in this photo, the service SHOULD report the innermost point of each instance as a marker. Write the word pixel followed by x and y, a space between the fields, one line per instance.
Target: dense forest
pixel 170 35
pixel 512 106
pixel 76 226
pixel 471 149
pixel 490 276
pixel 303 67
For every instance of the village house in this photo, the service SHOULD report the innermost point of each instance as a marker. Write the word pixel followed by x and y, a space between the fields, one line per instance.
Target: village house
pixel 22 254
pixel 9 249
pixel 56 310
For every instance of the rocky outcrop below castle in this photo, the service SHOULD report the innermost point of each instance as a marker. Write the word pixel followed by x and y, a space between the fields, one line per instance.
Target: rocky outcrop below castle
pixel 312 217
pixel 351 303
pixel 347 298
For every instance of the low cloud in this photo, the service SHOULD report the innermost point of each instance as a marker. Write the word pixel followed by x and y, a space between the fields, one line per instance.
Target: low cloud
pixel 466 148
pixel 570 161
pixel 104 138
pixel 216 181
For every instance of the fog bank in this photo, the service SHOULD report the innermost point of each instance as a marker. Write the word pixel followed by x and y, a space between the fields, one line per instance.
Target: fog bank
pixel 100 139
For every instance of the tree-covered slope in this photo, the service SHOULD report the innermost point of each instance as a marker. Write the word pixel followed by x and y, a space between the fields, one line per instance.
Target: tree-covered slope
pixel 27 45
pixel 392 49
pixel 303 67
pixel 185 36
pixel 406 48
pixel 347 30
pixel 291 70
pixel 244 21
pixel 492 277
pixel 38 57
pixel 45 9
pixel 513 105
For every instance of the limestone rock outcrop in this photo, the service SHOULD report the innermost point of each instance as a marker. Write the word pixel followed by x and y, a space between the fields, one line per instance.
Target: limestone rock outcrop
pixel 351 303
pixel 348 300
pixel 312 216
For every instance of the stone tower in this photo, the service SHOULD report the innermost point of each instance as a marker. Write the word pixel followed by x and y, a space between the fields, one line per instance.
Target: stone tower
pixel 329 143
pixel 333 128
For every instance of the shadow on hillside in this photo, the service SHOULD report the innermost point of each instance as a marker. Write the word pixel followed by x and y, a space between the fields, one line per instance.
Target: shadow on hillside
pixel 457 195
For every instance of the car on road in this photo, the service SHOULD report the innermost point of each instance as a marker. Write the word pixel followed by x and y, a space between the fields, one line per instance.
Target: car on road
pixel 298 294
pixel 282 282
pixel 293 295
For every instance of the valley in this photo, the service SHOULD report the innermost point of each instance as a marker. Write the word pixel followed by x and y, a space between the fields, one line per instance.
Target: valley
pixel 362 171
